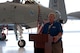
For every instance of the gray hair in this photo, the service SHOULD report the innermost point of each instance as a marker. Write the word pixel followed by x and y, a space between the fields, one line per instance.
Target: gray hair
pixel 52 14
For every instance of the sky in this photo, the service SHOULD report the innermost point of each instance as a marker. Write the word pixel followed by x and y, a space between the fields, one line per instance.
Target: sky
pixel 71 5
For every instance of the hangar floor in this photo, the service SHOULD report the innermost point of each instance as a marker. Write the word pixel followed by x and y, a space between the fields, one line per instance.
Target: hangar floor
pixel 71 40
pixel 11 46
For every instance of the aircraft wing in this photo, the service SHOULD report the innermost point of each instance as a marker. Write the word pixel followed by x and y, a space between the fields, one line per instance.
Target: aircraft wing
pixel 74 16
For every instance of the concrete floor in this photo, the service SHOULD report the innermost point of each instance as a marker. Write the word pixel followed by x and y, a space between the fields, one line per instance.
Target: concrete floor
pixel 11 45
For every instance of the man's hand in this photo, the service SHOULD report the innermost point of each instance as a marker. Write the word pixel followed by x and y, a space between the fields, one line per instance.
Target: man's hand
pixel 56 38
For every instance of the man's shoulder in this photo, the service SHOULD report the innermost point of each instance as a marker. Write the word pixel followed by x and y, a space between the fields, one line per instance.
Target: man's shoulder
pixel 47 23
pixel 56 22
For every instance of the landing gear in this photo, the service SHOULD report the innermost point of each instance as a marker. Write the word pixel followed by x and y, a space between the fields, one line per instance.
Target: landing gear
pixel 3 37
pixel 2 34
pixel 21 42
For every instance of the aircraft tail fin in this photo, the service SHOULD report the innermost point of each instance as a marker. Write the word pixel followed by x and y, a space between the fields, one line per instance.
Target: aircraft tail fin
pixel 59 7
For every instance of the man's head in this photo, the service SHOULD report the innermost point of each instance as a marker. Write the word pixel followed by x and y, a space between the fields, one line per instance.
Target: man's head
pixel 51 17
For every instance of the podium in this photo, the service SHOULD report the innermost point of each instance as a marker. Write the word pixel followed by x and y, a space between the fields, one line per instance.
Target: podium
pixel 42 41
